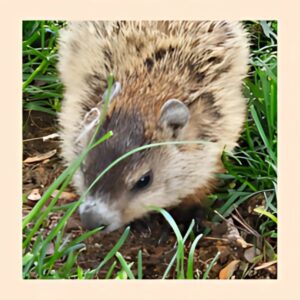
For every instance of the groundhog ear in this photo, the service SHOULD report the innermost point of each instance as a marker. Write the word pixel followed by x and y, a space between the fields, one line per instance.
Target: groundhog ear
pixel 174 114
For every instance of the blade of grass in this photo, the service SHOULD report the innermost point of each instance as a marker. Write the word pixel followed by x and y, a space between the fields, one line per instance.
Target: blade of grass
pixel 131 152
pixel 180 246
pixel 111 253
pixel 35 72
pixel 262 211
pixel 175 255
pixel 262 133
pixel 110 271
pixel 63 250
pixel 45 213
pixel 140 265
pixel 205 275
pixel 71 169
pixel 190 265
pixel 124 265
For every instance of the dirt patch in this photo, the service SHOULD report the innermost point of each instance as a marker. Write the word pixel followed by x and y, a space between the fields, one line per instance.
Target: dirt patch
pixel 230 237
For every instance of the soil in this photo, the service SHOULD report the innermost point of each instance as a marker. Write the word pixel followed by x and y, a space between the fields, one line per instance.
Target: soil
pixel 230 237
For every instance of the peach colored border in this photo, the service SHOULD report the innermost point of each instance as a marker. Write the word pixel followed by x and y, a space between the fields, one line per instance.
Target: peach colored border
pixel 13 12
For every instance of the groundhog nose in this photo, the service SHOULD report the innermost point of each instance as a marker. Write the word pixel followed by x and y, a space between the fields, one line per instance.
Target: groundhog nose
pixel 91 220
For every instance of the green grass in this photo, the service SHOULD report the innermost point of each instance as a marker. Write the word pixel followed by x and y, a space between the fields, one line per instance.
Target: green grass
pixel 42 91
pixel 251 170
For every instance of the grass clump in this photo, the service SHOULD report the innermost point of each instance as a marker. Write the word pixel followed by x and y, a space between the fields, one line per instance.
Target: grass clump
pixel 42 91
pixel 252 169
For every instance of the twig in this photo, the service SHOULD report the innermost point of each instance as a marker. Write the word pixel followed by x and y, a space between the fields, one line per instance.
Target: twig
pixel 44 138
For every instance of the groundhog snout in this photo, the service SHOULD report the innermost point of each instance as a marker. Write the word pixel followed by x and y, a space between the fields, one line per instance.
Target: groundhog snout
pixel 96 212
pixel 90 219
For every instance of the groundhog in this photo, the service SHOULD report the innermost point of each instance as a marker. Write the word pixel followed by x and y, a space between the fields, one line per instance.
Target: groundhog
pixel 174 81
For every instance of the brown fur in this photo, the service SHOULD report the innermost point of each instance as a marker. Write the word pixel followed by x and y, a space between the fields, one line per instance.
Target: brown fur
pixel 201 64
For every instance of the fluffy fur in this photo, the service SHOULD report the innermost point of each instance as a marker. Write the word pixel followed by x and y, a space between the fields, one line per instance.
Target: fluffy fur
pixel 202 64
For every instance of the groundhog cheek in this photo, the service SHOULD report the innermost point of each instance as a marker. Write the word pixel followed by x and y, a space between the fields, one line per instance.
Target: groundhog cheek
pixel 132 212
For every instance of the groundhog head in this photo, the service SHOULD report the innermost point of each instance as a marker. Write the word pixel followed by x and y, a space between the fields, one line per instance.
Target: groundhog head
pixel 157 176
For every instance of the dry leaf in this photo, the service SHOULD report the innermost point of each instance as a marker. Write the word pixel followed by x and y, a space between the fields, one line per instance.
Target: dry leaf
pixel 240 241
pixel 233 234
pixel 40 157
pixel 65 195
pixel 34 195
pixel 228 271
pixel 50 249
pixel 251 253
pixel 266 265
pixel 72 225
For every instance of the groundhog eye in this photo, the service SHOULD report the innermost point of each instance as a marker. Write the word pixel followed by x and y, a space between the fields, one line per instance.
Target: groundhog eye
pixel 144 181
